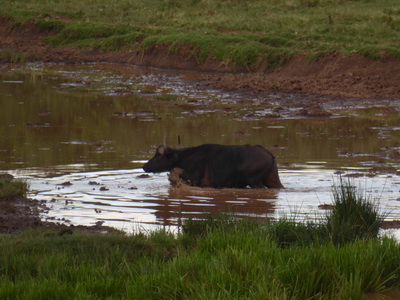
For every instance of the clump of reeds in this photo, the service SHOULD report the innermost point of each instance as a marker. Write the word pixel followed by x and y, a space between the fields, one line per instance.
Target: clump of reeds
pixel 353 216
pixel 289 232
pixel 10 187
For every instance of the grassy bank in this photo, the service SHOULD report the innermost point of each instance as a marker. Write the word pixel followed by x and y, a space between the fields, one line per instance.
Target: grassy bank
pixel 249 33
pixel 216 258
pixel 241 263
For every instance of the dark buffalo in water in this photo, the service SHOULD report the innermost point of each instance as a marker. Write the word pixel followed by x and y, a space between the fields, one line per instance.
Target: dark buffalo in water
pixel 219 166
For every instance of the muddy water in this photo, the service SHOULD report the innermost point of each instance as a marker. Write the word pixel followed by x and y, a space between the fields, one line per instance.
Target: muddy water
pixel 80 135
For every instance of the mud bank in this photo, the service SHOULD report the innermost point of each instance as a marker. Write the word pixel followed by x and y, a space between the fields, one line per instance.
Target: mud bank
pixel 21 213
pixel 331 75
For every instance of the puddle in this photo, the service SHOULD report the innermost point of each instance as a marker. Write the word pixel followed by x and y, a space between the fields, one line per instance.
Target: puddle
pixel 80 135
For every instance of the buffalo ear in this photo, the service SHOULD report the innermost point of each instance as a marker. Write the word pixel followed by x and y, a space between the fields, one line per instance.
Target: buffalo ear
pixel 162 150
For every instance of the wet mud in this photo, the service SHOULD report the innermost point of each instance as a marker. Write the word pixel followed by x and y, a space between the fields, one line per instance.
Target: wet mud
pixel 334 75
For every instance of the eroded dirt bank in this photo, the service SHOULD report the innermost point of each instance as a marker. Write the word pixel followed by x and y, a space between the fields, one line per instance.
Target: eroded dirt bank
pixel 332 75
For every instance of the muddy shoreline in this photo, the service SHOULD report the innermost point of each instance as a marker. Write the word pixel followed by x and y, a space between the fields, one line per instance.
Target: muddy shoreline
pixel 334 75
pixel 22 213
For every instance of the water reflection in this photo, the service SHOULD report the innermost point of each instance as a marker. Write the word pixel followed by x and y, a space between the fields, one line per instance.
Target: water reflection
pixel 182 203
pixel 92 123
pixel 125 198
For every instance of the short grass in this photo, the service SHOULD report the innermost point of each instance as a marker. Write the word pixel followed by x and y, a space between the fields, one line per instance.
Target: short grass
pixel 247 33
pixel 216 258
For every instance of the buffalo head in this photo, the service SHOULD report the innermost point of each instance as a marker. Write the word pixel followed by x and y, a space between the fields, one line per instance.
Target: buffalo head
pixel 164 160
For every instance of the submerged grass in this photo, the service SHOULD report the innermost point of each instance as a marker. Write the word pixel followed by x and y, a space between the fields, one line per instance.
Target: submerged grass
pixel 219 257
pixel 247 33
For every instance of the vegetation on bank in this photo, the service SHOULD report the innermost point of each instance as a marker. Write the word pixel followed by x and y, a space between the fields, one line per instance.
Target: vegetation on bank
pixel 215 258
pixel 256 34
pixel 11 188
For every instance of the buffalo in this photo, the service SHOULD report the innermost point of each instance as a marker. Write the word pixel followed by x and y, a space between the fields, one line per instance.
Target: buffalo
pixel 219 166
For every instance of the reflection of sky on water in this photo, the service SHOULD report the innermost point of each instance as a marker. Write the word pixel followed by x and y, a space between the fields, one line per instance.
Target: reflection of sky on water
pixel 126 199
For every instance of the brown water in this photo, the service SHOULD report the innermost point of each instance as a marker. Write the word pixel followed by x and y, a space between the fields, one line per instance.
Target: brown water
pixel 80 135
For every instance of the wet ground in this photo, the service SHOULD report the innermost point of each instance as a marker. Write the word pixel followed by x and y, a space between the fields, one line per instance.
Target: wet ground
pixel 80 134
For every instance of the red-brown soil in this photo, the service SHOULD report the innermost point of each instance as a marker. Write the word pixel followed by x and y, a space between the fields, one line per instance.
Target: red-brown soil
pixel 332 75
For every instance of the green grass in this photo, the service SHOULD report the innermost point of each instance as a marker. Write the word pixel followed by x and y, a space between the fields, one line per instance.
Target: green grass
pixel 353 216
pixel 222 257
pixel 10 188
pixel 248 33
pixel 235 263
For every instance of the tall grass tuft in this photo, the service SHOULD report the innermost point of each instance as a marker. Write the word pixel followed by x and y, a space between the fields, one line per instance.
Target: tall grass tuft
pixel 353 215
pixel 10 187
pixel 225 223
pixel 289 232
